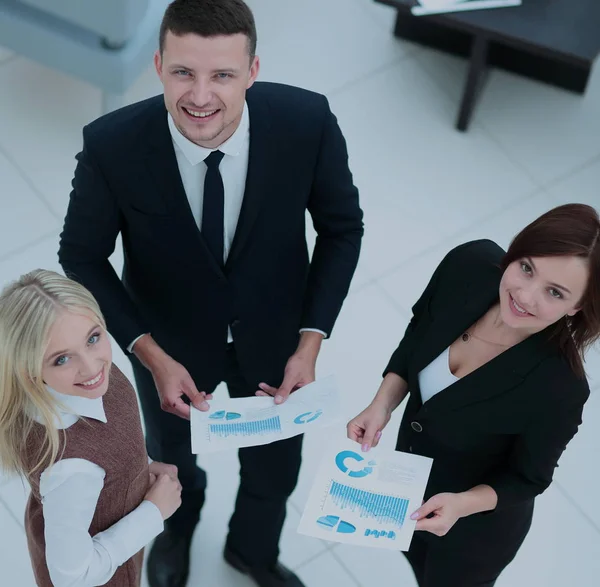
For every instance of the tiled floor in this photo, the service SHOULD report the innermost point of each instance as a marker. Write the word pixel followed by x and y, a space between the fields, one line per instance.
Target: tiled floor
pixel 424 188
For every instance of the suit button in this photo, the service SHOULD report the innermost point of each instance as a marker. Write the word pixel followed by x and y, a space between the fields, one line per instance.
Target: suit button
pixel 410 448
pixel 416 427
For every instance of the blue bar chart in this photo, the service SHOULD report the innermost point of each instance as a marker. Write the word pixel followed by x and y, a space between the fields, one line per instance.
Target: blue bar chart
pixel 385 509
pixel 253 428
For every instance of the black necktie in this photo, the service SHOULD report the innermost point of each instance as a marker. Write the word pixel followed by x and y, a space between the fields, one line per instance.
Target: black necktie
pixel 213 209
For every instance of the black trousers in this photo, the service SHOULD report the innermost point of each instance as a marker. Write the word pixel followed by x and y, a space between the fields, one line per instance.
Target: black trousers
pixel 437 567
pixel 268 474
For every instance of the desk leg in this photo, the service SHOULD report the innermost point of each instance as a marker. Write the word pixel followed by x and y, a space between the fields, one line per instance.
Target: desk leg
pixel 477 70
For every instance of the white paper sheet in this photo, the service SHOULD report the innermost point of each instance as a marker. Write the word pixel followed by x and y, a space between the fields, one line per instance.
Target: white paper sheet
pixel 366 498
pixel 427 7
pixel 252 421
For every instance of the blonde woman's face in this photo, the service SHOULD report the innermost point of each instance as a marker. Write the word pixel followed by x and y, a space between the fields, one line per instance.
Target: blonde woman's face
pixel 78 358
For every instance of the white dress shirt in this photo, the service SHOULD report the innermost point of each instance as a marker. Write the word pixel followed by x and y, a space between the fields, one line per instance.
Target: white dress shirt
pixel 233 168
pixel 436 376
pixel 70 490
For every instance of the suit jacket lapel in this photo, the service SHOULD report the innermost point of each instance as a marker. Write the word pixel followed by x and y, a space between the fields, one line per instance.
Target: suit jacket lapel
pixel 161 164
pixel 263 146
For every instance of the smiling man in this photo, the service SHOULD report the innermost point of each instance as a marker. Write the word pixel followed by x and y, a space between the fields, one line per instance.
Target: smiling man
pixel 208 186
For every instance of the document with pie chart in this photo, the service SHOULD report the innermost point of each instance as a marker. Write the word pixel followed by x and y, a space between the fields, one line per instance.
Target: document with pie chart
pixel 252 421
pixel 367 498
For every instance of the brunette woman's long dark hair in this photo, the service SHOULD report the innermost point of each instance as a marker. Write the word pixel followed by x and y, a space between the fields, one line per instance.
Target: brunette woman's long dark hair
pixel 572 229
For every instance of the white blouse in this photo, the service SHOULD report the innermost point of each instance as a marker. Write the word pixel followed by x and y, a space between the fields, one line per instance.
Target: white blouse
pixel 436 376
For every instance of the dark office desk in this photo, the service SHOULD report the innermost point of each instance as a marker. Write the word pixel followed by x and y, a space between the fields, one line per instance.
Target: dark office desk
pixel 554 41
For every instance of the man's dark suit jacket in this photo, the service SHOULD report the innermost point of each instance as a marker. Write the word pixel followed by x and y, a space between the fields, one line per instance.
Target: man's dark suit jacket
pixel 505 424
pixel 127 181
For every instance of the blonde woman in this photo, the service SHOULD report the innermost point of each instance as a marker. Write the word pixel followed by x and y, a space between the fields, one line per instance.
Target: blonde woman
pixel 69 423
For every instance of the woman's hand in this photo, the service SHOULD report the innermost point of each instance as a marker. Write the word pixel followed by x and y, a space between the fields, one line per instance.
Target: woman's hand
pixel 438 514
pixel 442 511
pixel 367 427
pixel 157 469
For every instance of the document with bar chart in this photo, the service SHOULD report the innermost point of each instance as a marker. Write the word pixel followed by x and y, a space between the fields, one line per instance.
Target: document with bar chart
pixel 366 498
pixel 251 421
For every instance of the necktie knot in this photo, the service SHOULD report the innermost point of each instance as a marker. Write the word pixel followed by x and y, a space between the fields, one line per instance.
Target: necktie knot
pixel 214 159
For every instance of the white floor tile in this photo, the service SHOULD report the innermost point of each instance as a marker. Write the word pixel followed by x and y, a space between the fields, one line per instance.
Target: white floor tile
pixel 14 493
pixel 420 180
pixel 374 566
pixel 321 45
pixel 326 570
pixel 25 217
pixel 578 473
pixel 534 122
pixel 561 549
pixel 14 558
pixel 447 71
pixel 298 549
pixel 43 132
pixel 5 55
pixel 592 366
pixel 40 255
pixel 581 187
pixel 549 130
pixel 383 14
pixel 207 564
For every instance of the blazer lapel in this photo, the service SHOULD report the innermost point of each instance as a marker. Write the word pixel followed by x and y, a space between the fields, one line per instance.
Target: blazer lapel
pixel 499 375
pixel 161 164
pixel 261 159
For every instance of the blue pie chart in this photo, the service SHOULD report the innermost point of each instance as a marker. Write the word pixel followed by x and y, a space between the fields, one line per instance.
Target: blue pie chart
pixel 343 456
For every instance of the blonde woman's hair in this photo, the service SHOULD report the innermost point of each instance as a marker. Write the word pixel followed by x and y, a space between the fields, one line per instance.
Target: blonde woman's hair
pixel 28 309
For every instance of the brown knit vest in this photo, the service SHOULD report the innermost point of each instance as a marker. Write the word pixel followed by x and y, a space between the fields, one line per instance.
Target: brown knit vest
pixel 118 447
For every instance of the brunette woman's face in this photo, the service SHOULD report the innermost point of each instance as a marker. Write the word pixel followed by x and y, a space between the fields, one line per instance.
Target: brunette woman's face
pixel 536 292
pixel 78 358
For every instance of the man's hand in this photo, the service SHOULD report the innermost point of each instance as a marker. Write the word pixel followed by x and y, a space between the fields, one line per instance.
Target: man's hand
pixel 171 378
pixel 173 381
pixel 299 371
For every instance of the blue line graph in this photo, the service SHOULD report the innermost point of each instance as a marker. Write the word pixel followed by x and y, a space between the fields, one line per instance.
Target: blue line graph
pixel 386 509
pixel 255 428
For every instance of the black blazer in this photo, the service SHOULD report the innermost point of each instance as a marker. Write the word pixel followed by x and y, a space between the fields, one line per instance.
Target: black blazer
pixel 127 181
pixel 505 424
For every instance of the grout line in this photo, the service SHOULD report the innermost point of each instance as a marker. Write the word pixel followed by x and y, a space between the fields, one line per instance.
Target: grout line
pixel 410 54
pixel 568 497
pixel 343 565
pixel 389 28
pixel 324 553
pixel 478 121
pixel 29 245
pixel 559 180
pixel 312 559
pixel 453 237
pixel 361 287
pixel 407 314
pixel 12 514
pixel 25 177
pixel 8 59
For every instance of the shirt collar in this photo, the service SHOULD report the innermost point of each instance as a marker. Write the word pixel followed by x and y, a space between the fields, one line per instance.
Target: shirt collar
pixel 73 407
pixel 196 154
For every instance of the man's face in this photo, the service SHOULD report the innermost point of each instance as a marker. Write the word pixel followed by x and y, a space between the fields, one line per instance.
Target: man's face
pixel 205 82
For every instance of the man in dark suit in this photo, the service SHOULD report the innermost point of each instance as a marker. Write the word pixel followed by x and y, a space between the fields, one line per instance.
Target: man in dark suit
pixel 209 186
